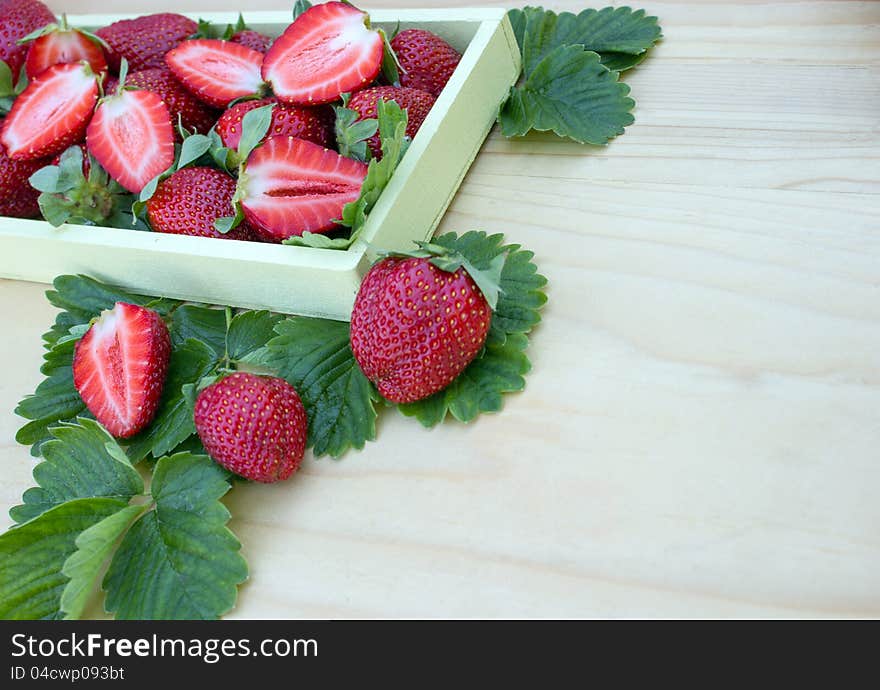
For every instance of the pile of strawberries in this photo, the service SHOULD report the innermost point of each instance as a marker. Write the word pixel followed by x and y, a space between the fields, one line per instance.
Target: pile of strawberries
pixel 124 92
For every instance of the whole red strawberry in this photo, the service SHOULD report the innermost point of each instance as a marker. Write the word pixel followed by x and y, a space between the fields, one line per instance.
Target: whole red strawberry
pixel 427 60
pixel 417 104
pixel 254 426
pixel 194 114
pixel 18 18
pixel 188 203
pixel 119 367
pixel 17 198
pixel 311 124
pixel 145 40
pixel 416 327
pixel 253 40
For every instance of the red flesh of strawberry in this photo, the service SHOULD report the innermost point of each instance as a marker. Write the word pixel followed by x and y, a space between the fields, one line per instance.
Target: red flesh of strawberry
pixel 311 124
pixel 189 202
pixel 119 368
pixel 292 186
pixel 415 328
pixel 254 426
pixel 326 52
pixel 217 72
pixel 194 114
pixel 51 114
pixel 145 40
pixel 62 47
pixel 131 137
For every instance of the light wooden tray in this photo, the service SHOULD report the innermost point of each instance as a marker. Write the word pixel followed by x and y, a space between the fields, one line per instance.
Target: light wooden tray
pixel 313 282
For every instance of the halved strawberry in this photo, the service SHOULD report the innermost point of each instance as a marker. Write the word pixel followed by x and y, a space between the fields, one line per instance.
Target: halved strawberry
pixel 290 186
pixel 329 50
pixel 217 72
pixel 131 137
pixel 119 367
pixel 52 113
pixel 58 44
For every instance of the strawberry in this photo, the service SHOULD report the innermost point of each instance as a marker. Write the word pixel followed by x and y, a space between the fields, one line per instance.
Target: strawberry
pixel 427 61
pixel 188 203
pixel 290 186
pixel 217 72
pixel 253 40
pixel 254 426
pixel 18 18
pixel 329 50
pixel 52 113
pixel 416 327
pixel 145 40
pixel 195 115
pixel 58 44
pixel 131 137
pixel 119 367
pixel 311 124
pixel 416 103
pixel 17 198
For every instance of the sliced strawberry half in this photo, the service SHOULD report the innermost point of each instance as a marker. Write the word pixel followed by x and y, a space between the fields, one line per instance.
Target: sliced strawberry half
pixel 131 137
pixel 52 113
pixel 119 367
pixel 59 45
pixel 291 186
pixel 329 50
pixel 217 72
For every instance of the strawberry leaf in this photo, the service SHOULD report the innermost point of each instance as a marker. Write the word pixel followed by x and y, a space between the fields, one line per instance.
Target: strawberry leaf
pixel 179 561
pixel 315 357
pixel 248 332
pixel 254 128
pixel 390 64
pixel 611 32
pixel 500 369
pixel 352 133
pixel 93 548
pixel 33 556
pixel 81 461
pixel 173 423
pixel 299 7
pixel 194 147
pixel 202 323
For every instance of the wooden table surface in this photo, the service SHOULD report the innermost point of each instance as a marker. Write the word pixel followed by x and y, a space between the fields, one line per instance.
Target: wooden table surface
pixel 700 435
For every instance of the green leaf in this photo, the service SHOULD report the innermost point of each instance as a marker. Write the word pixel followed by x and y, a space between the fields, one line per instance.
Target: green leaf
pixel 93 547
pixel 229 223
pixel 254 128
pixel 200 323
pixel 45 179
pixel 315 357
pixel 352 133
pixel 249 331
pixel 299 7
pixel 390 64
pixel 173 423
pixel 82 461
pixel 611 30
pixel 194 147
pixel 620 62
pixel 480 388
pixel 33 555
pixel 571 93
pixel 179 561
pixel 316 240
pixel 522 287
pixel 54 400
pixel 7 87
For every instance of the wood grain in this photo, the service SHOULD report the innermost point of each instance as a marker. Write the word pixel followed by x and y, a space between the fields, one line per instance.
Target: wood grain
pixel 700 432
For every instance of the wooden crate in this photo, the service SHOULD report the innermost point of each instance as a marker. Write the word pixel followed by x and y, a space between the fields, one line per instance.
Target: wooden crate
pixel 313 282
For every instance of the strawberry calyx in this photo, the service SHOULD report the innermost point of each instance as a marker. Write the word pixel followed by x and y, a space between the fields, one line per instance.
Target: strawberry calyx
pixel 68 195
pixel 449 260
